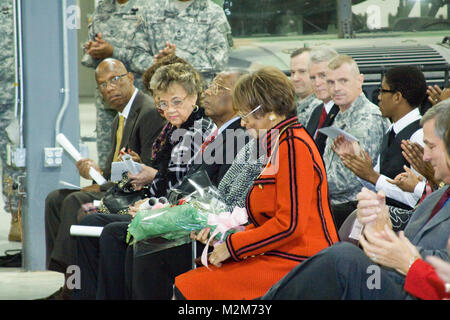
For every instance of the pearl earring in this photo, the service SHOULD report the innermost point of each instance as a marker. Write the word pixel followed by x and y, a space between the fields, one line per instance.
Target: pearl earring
pixel 272 117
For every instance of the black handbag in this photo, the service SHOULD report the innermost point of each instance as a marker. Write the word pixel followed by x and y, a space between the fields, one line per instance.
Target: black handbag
pixel 189 184
pixel 119 197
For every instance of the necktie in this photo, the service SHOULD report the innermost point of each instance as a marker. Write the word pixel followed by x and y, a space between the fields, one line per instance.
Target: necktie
pixel 426 192
pixel 209 140
pixel 119 135
pixel 322 119
pixel 440 204
pixel 391 136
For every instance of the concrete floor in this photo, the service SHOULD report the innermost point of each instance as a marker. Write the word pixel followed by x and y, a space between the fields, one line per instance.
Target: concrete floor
pixel 15 283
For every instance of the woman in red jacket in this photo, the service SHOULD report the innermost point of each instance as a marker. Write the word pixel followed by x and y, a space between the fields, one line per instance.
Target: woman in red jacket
pixel 287 205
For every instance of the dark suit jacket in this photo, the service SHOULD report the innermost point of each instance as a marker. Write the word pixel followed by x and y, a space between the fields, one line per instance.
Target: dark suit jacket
pixel 313 124
pixel 142 127
pixel 429 236
pixel 220 153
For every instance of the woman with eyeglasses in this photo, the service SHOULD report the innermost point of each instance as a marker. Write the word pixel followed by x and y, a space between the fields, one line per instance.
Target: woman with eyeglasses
pixel 288 209
pixel 176 89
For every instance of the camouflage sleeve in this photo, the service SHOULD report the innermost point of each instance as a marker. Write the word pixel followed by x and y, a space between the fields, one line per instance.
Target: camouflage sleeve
pixel 369 130
pixel 87 60
pixel 139 54
pixel 343 183
pixel 219 42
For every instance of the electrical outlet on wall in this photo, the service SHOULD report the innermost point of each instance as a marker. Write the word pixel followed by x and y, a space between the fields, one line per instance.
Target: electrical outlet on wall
pixel 53 157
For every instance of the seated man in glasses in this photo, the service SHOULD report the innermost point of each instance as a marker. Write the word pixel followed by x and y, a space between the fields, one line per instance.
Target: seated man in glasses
pixel 136 126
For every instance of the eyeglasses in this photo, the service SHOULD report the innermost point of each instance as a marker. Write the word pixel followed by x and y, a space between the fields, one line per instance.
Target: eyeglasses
pixel 175 102
pixel 244 117
pixel 214 87
pixel 114 81
pixel 381 90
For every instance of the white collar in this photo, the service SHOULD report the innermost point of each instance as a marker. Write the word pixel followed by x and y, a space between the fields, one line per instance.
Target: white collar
pixel 226 125
pixel 406 120
pixel 328 106
pixel 126 110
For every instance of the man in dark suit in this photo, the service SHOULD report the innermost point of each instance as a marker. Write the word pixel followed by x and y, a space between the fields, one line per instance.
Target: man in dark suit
pixel 323 115
pixel 343 271
pixel 136 126
pixel 220 149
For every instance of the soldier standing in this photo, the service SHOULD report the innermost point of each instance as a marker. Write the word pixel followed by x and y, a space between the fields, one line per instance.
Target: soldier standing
pixel 10 173
pixel 197 28
pixel 111 27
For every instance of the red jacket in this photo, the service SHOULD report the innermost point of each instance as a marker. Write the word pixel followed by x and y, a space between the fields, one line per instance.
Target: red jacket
pixel 290 222
pixel 423 282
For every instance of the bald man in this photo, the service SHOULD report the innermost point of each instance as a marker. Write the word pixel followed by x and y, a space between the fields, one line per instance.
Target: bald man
pixel 141 126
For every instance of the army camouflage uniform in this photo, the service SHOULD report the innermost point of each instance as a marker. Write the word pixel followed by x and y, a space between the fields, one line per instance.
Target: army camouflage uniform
pixel 117 23
pixel 305 107
pixel 10 174
pixel 364 121
pixel 201 34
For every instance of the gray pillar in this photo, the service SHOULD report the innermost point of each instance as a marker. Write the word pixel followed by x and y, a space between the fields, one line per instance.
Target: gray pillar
pixel 344 14
pixel 43 67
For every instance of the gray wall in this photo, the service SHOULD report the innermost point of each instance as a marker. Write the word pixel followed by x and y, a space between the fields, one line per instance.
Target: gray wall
pixel 43 80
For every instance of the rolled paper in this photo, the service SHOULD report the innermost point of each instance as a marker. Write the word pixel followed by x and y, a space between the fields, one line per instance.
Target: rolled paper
pixel 67 184
pixel 152 201
pixel 96 176
pixel 85 231
pixel 65 143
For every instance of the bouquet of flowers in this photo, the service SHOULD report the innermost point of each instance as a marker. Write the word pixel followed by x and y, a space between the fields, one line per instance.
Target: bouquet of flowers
pixel 199 209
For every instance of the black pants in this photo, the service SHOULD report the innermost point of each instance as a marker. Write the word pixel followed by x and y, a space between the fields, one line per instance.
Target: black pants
pixel 61 211
pixel 341 211
pixel 342 271
pixel 152 276
pixel 101 260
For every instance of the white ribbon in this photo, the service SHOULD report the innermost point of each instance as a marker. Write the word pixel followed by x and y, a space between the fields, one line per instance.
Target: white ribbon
pixel 224 221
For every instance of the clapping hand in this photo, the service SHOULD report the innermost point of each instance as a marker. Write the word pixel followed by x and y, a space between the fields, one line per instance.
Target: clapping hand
pixel 100 48
pixel 436 94
pixel 389 250
pixel 372 211
pixel 407 181
pixel 413 153
pixel 169 50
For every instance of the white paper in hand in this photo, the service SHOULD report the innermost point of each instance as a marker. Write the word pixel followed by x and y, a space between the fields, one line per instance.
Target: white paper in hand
pixel 96 176
pixel 119 167
pixel 334 132
pixel 70 149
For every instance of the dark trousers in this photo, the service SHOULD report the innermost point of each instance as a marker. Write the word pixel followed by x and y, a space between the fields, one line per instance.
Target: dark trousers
pixel 342 271
pixel 61 211
pixel 341 211
pixel 152 275
pixel 101 260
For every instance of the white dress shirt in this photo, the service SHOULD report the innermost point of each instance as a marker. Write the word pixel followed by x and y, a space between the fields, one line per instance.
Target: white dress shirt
pixel 391 190
pixel 126 111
